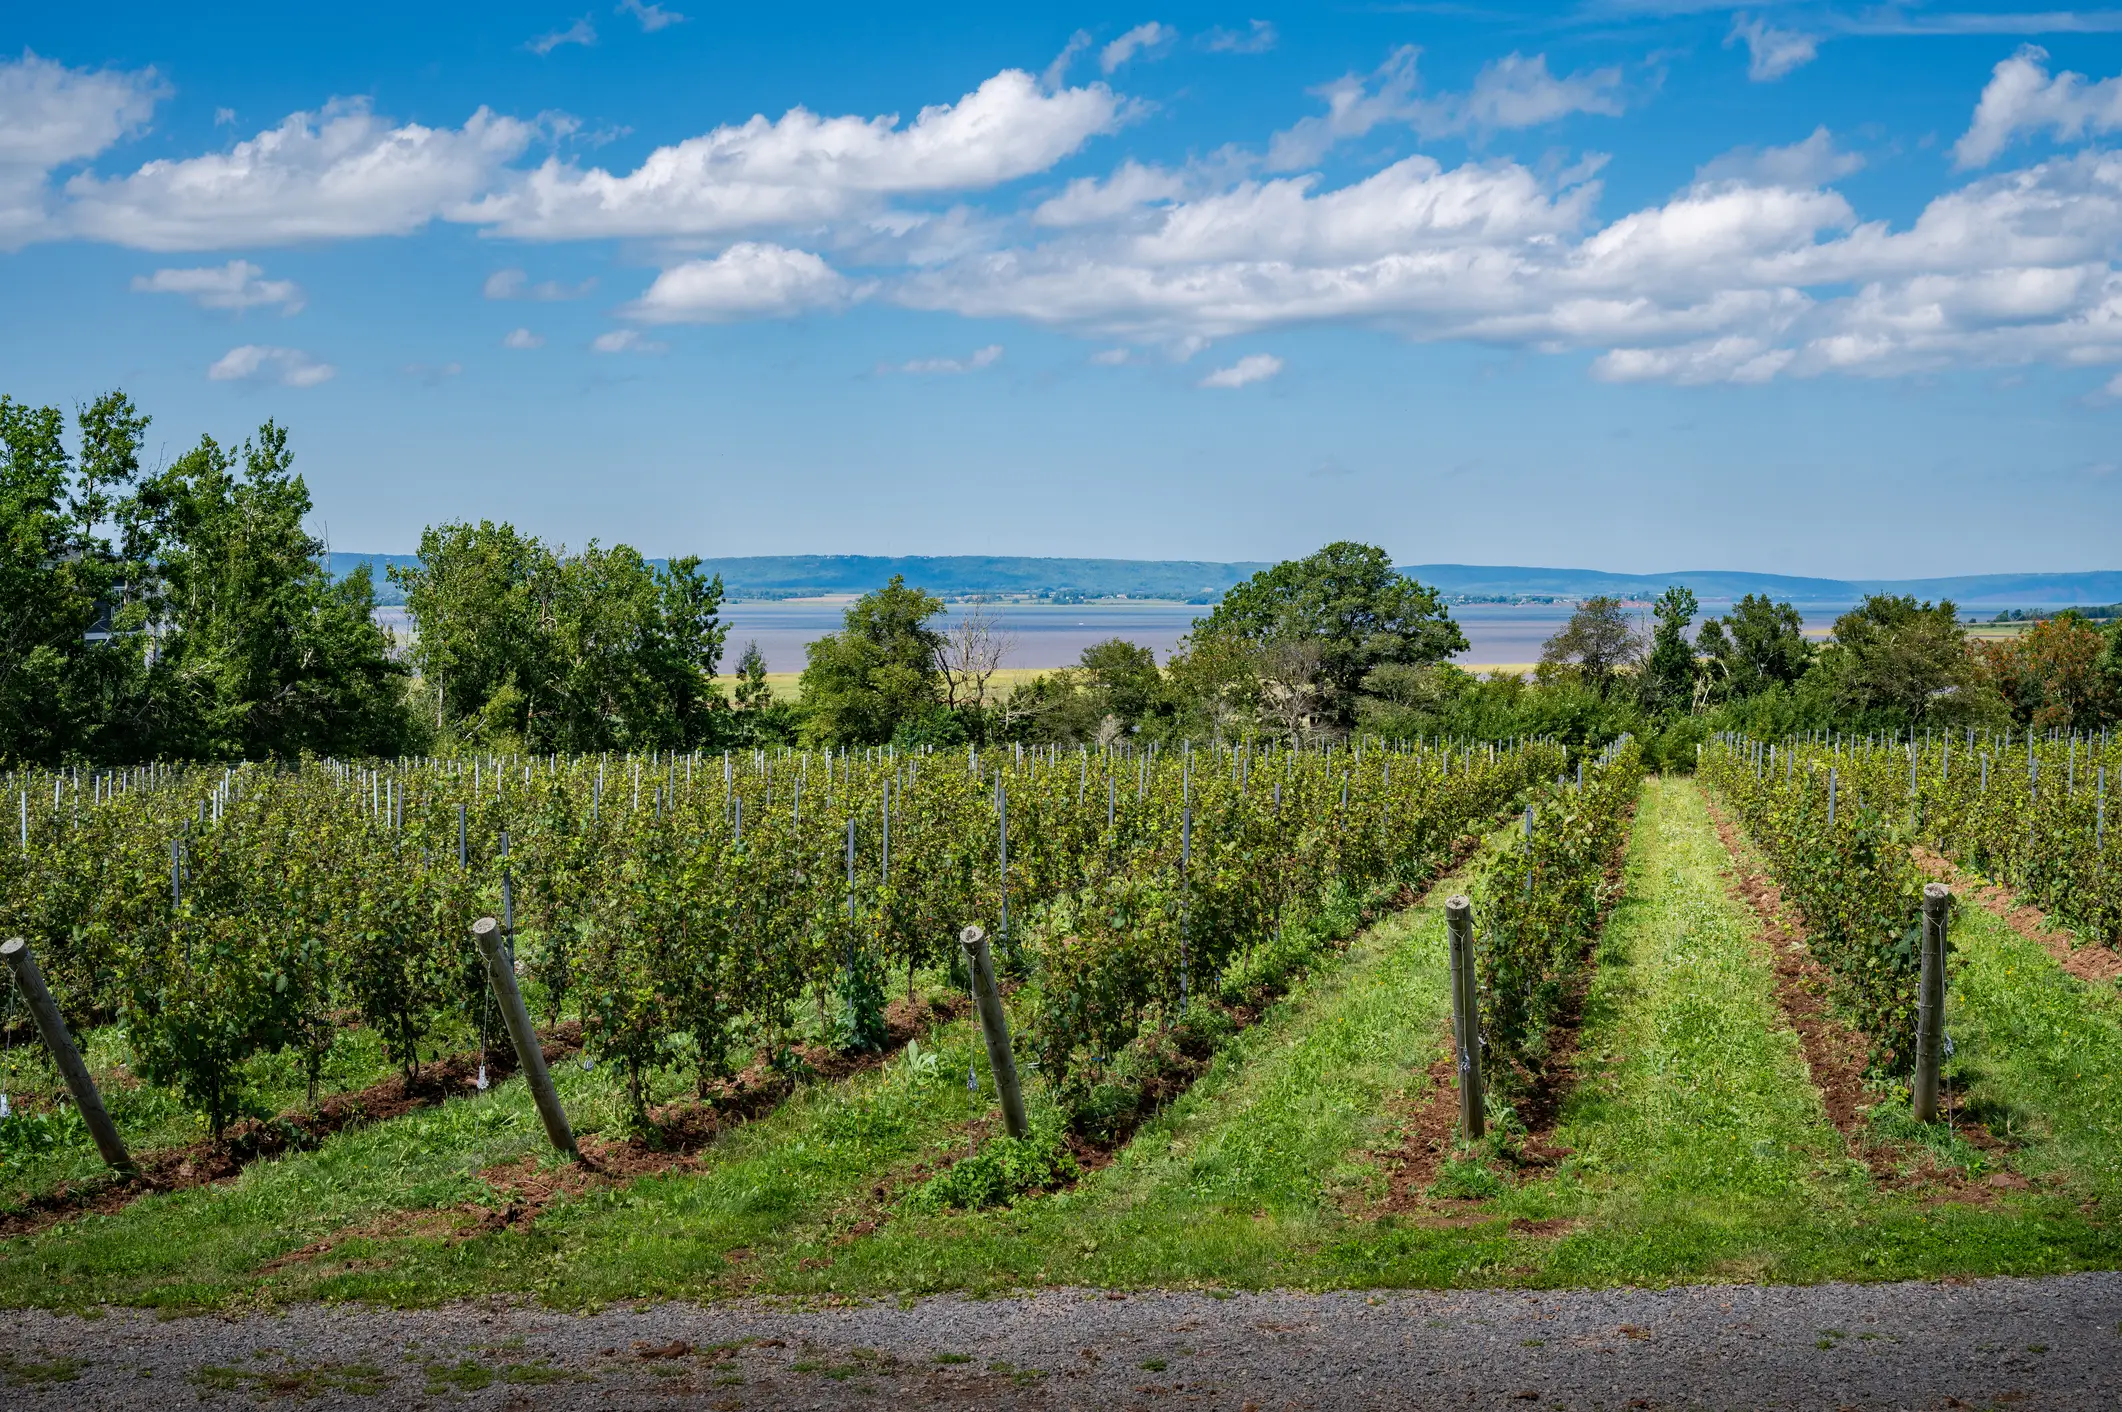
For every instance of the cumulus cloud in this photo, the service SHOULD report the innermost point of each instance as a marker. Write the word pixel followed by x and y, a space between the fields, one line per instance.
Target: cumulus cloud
pixel 1816 161
pixel 1092 201
pixel 1146 40
pixel 652 17
pixel 336 173
pixel 51 115
pixel 237 285
pixel 625 340
pixel 980 358
pixel 581 32
pixel 2021 97
pixel 522 338
pixel 515 284
pixel 1257 38
pixel 1111 357
pixel 1510 92
pixel 805 169
pixel 289 367
pixel 749 280
pixel 1771 52
pixel 1256 367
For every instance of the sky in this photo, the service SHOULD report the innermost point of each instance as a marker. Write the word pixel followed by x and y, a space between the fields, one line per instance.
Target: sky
pixel 1621 284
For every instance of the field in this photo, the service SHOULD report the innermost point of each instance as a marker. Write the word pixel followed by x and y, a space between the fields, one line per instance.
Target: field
pixel 1661 1108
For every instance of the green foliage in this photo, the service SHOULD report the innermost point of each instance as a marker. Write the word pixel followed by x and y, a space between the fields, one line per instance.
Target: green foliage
pixel 524 644
pixel 1003 1169
pixel 1757 647
pixel 1850 877
pixel 1595 647
pixel 877 671
pixel 1349 606
pixel 1539 898
pixel 1897 664
pixel 207 628
pixel 1668 682
pixel 1187 885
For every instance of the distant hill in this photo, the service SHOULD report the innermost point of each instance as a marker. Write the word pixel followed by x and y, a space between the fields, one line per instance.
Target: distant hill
pixel 965 575
pixel 949 576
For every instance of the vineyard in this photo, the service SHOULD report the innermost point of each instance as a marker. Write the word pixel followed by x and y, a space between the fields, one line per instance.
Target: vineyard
pixel 1224 981
pixel 692 912
pixel 1838 819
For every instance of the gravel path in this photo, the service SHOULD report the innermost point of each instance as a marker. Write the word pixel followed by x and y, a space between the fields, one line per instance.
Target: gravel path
pixel 2022 1344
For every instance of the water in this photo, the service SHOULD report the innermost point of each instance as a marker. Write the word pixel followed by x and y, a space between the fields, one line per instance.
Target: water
pixel 1049 635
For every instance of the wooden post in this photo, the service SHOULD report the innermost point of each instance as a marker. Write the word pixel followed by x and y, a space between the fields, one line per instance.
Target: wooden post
pixel 994 1027
pixel 1930 1003
pixel 1466 1015
pixel 501 970
pixel 68 1058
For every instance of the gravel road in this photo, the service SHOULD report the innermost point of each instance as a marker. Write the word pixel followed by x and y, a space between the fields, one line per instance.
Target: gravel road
pixel 2019 1344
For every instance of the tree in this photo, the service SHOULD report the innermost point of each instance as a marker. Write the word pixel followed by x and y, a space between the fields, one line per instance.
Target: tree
pixel 1594 646
pixel 2052 674
pixel 1348 599
pixel 970 654
pixel 480 597
pixel 1669 672
pixel 259 653
pixel 521 643
pixel 60 580
pixel 879 671
pixel 1123 679
pixel 753 693
pixel 1894 662
pixel 1760 645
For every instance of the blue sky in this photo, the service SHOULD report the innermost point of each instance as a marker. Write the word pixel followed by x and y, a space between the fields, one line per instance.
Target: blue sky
pixel 1640 286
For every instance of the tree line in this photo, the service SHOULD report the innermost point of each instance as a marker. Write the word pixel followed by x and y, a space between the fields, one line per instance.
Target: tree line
pixel 185 613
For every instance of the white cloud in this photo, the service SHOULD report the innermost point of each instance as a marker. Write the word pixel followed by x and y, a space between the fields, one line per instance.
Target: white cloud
pixel 1510 92
pixel 237 285
pixel 1090 201
pixel 747 281
pixel 652 17
pixel 2021 97
pixel 1353 107
pixel 1816 161
pixel 1147 40
pixel 625 340
pixel 290 367
pixel 338 173
pixel 1256 38
pixel 580 32
pixel 1771 52
pixel 1517 92
pixel 1256 367
pixel 515 284
pixel 522 338
pixel 51 115
pixel 433 374
pixel 805 169
pixel 981 358
pixel 1057 72
pixel 2114 387
pixel 1111 357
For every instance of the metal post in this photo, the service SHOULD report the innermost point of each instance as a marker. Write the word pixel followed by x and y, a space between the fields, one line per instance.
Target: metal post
pixel 501 970
pixel 1930 1003
pixel 1466 1014
pixel 994 1027
pixel 68 1058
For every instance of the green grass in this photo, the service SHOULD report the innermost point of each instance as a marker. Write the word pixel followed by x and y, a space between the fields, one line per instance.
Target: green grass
pixel 1700 1153
pixel 2037 1055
